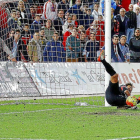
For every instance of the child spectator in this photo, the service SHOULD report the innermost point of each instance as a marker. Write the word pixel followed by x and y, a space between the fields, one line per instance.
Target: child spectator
pixel 54 50
pixel 74 20
pixel 36 25
pixel 66 34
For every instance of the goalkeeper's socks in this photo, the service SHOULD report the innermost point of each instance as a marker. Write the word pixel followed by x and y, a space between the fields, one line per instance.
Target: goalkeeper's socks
pixel 108 67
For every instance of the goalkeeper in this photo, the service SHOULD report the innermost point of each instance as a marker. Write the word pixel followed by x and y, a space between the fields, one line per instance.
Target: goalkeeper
pixel 116 95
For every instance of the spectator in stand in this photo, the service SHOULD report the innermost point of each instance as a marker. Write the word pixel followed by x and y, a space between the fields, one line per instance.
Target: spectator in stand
pixel 5 52
pixel 118 7
pixel 123 22
pixel 19 20
pixel 21 8
pixel 43 39
pixel 10 37
pixel 101 22
pixel 35 50
pixel 12 23
pixel 99 34
pixel 83 40
pixel 72 47
pixel 66 34
pixel 113 5
pixel 80 28
pixel 36 25
pixel 138 16
pixel 125 4
pixel 54 50
pixel 136 5
pixel 88 18
pixel 114 24
pixel 116 54
pixel 3 21
pixel 17 47
pixel 92 48
pixel 12 32
pixel 96 12
pixel 124 48
pixel 27 4
pixel 76 9
pixel 132 23
pixel 134 47
pixel 26 34
pixel 31 15
pixel 49 30
pixel 50 10
pixel 59 22
pixel 63 4
pixel 67 22
pixel 74 20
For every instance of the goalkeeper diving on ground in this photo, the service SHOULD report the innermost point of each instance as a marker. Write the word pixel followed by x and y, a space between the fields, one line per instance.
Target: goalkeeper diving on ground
pixel 117 95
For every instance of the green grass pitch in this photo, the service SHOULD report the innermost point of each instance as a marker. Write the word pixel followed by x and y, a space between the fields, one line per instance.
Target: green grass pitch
pixel 60 119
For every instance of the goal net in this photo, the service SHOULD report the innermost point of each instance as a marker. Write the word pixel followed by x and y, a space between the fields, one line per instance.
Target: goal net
pixel 56 50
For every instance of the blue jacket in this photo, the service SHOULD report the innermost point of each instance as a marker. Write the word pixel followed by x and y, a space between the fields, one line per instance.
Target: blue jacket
pixel 36 26
pixel 75 9
pixel 92 47
pixel 113 56
pixel 88 20
pixel 113 5
pixel 54 52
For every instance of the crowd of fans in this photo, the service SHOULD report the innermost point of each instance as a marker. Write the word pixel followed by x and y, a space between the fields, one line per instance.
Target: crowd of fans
pixel 54 31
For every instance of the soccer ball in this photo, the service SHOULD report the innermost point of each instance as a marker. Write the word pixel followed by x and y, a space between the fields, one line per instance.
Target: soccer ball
pixel 131 101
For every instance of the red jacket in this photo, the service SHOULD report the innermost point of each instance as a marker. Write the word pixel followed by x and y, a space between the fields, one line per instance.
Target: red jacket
pixel 66 34
pixel 101 24
pixel 100 36
pixel 125 4
pixel 3 18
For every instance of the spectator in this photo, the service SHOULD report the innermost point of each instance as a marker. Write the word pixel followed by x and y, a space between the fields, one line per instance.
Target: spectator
pixel 19 20
pixel 115 25
pixel 63 4
pixel 118 7
pixel 36 25
pixel 123 22
pixel 74 20
pixel 3 21
pixel 12 32
pixel 5 52
pixel 49 30
pixel 88 18
pixel 54 50
pixel 124 48
pixel 50 10
pixel 132 23
pixel 92 48
pixel 42 40
pixel 26 34
pixel 101 22
pixel 136 5
pixel 31 15
pixel 27 4
pixel 96 12
pixel 138 16
pixel 66 34
pixel 73 47
pixel 134 47
pixel 67 22
pixel 99 34
pixel 17 46
pixel 59 22
pixel 21 8
pixel 35 50
pixel 12 22
pixel 80 28
pixel 116 54
pixel 83 40
pixel 76 9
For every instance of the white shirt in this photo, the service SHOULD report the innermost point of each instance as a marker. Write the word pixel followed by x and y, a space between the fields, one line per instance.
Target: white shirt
pixel 138 21
pixel 49 10
pixel 95 14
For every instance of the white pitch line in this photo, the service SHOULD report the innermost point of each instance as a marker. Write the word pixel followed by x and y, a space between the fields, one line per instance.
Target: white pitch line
pixel 125 138
pixel 22 139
